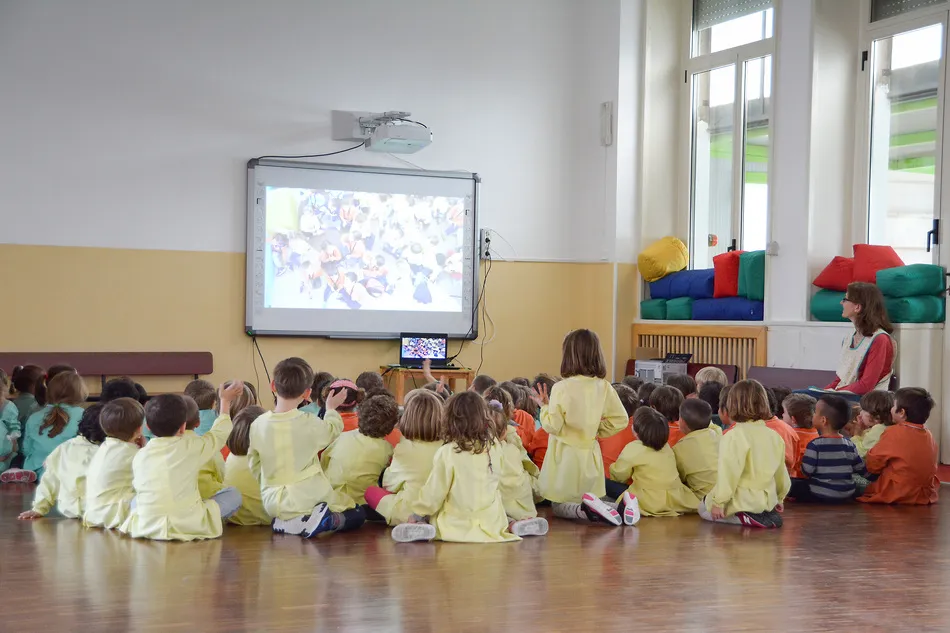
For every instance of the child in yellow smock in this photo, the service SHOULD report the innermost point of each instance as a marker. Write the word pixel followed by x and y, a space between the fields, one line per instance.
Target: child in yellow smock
pixel 54 424
pixel 237 472
pixel 422 433
pixel 697 454
pixel 752 481
pixel 356 459
pixel 211 473
pixel 461 500
pixel 167 505
pixel 578 410
pixel 284 458
pixel 109 490
pixel 516 483
pixel 650 464
pixel 64 483
pixel 874 419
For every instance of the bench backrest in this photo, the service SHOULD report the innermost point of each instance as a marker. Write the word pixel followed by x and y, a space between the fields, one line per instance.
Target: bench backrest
pixel 117 363
pixel 791 377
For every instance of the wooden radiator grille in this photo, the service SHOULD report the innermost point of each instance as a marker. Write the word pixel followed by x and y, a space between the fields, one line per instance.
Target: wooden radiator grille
pixel 732 345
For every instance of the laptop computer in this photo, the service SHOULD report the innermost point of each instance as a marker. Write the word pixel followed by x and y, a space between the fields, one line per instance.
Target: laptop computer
pixel 415 348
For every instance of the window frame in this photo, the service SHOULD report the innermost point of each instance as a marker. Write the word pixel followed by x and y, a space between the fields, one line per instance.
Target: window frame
pixel 693 66
pixel 861 193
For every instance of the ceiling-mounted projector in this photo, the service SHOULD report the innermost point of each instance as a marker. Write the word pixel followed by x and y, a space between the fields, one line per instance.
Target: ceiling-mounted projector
pixel 390 132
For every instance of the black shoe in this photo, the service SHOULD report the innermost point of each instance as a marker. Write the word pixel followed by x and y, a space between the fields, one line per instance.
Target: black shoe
pixel 775 517
pixel 372 516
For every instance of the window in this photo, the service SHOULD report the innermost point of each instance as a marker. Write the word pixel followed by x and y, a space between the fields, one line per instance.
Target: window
pixel 729 79
pixel 905 78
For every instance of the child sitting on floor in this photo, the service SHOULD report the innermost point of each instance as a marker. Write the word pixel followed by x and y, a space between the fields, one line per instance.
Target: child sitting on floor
pixel 697 454
pixel 830 461
pixel 752 480
pixel 708 375
pixel 211 473
pixel 64 482
pixel 793 447
pixel 611 447
pixel 206 397
pixel 348 409
pixel 54 424
pixel 167 505
pixel 684 383
pixel 371 381
pixel 284 457
pixel 356 459
pixel 905 458
pixel 29 383
pixel 644 392
pixel 579 409
pixel 481 383
pixel 874 419
pixel 709 393
pixel 421 427
pixel 634 382
pixel 10 427
pixel 109 490
pixel 656 489
pixel 461 500
pixel 516 482
pixel 316 406
pixel 667 400
pixel 799 413
pixel 237 472
pixel 524 422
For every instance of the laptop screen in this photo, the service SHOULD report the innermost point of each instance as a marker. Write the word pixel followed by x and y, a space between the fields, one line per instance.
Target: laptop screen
pixel 417 347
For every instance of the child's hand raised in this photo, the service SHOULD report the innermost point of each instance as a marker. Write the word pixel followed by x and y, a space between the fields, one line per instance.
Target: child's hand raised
pixel 227 392
pixel 540 395
pixel 335 399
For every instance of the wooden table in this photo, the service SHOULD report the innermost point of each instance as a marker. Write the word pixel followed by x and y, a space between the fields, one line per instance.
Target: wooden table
pixel 396 378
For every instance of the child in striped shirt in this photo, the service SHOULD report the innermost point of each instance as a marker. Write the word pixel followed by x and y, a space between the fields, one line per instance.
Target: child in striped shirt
pixel 830 460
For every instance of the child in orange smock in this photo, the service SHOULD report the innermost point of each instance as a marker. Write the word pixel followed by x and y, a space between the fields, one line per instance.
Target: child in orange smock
pixel 905 458
pixel 799 411
pixel 611 447
pixel 667 400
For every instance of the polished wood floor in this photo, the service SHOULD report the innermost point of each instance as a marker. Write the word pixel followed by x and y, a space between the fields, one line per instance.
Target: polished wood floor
pixel 854 568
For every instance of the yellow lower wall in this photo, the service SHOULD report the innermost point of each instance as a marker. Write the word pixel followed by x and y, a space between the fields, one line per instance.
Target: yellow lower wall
pixel 96 299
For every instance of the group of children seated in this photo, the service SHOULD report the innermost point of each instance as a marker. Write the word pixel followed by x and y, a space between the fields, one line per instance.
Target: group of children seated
pixel 471 466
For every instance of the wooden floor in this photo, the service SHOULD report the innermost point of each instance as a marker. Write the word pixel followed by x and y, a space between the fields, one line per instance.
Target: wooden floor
pixel 855 568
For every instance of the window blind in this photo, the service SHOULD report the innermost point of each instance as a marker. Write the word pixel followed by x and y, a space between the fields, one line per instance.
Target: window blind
pixel 883 9
pixel 707 13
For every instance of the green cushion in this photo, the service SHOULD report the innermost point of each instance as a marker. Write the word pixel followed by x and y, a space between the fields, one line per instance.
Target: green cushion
pixel 752 275
pixel 653 309
pixel 911 281
pixel 931 309
pixel 680 309
pixel 826 306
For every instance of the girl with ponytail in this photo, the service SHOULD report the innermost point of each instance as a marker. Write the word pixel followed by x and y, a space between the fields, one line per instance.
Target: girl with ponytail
pixel 51 426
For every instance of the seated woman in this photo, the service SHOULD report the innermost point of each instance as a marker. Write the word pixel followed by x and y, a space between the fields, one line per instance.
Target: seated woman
pixel 867 354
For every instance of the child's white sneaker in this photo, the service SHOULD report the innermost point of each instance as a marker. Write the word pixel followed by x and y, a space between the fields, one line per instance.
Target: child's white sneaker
pixel 631 508
pixel 529 527
pixel 600 509
pixel 293 526
pixel 411 532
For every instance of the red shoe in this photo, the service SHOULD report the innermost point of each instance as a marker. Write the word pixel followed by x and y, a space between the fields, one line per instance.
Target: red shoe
pixel 17 475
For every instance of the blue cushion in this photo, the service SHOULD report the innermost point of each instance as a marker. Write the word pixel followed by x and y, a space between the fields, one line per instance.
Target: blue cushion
pixel 696 284
pixel 728 309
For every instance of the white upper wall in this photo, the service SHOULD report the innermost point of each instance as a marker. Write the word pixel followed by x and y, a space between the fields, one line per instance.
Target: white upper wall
pixel 128 124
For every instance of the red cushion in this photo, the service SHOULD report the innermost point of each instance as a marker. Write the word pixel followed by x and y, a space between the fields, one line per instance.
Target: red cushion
pixel 836 275
pixel 870 258
pixel 726 277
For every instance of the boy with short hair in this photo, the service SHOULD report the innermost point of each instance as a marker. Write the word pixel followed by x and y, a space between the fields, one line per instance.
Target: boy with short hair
pixel 830 461
pixel 284 457
pixel 667 401
pixel 697 454
pixel 206 397
pixel 905 458
pixel 684 383
pixel 109 490
pixel 167 505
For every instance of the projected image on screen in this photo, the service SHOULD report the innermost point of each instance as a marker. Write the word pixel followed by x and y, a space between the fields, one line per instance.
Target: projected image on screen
pixel 353 250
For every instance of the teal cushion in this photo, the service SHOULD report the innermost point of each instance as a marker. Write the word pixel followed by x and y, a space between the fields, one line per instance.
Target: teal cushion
pixel 680 309
pixel 911 281
pixel 653 309
pixel 931 309
pixel 752 275
pixel 826 306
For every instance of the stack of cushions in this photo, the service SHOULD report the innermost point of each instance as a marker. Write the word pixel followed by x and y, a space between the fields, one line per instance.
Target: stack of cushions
pixel 912 294
pixel 733 290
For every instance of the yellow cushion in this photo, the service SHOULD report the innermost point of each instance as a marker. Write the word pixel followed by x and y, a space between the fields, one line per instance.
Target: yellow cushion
pixel 663 257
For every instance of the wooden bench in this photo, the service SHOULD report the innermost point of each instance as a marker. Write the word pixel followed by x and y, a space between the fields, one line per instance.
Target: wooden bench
pixel 114 364
pixel 800 378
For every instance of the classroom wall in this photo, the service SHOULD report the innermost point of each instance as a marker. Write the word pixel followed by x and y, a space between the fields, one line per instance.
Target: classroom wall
pixel 124 172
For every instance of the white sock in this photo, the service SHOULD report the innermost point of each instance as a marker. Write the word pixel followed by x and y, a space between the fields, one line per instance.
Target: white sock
pixel 569 511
